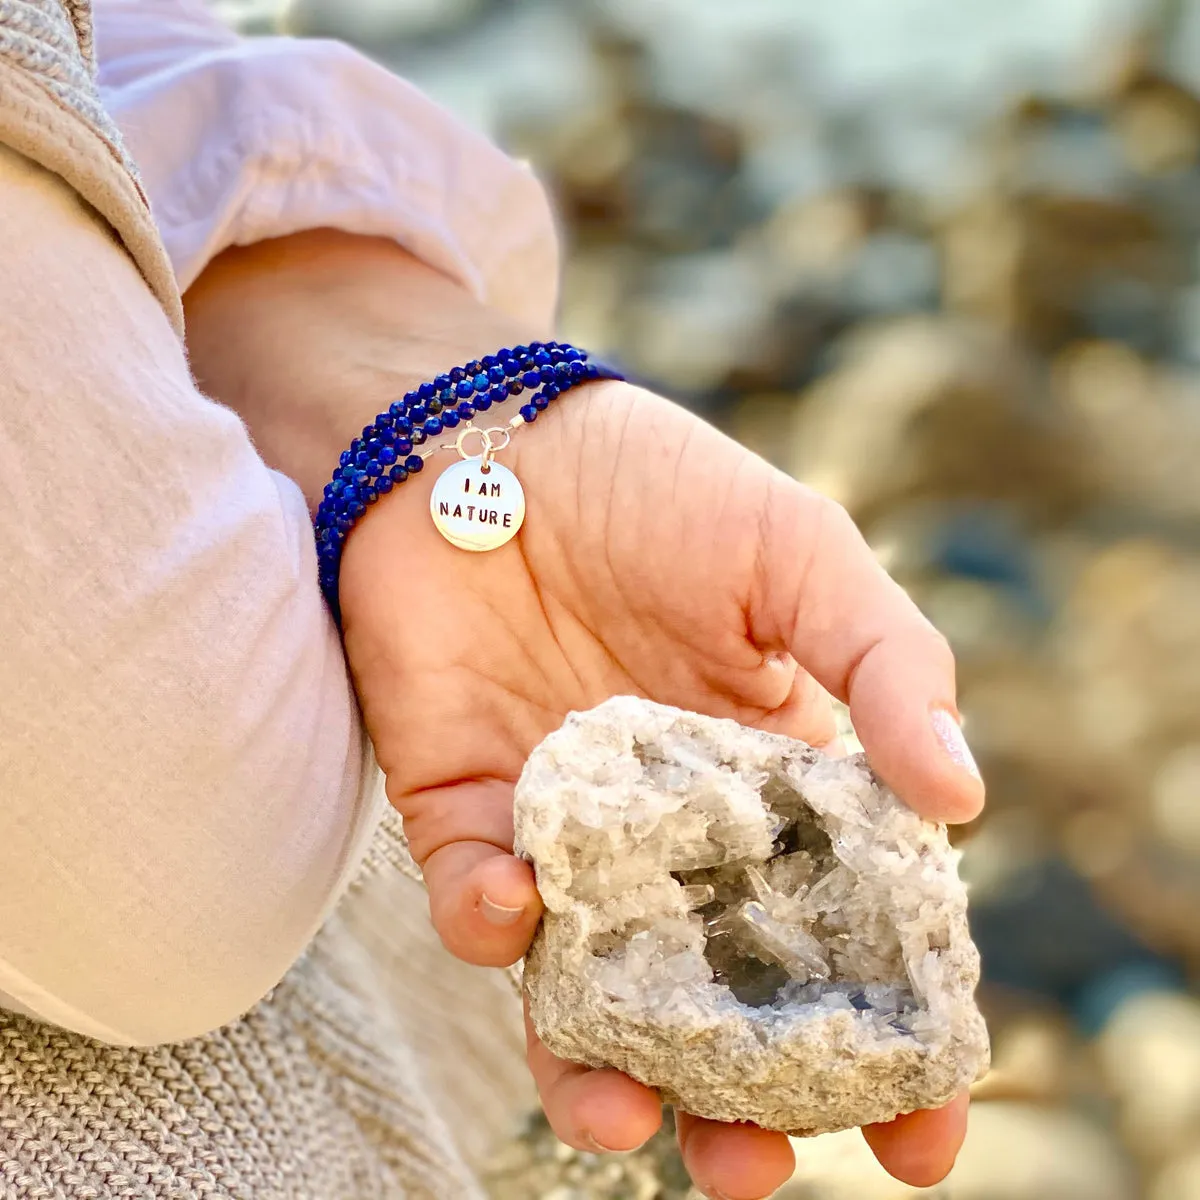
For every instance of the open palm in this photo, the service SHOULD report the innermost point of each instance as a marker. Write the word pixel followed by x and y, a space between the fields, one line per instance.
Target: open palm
pixel 658 559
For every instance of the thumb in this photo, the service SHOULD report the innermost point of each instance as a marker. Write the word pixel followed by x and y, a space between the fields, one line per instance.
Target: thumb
pixel 822 596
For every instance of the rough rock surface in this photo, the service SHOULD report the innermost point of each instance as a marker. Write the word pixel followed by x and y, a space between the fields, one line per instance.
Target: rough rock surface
pixel 759 931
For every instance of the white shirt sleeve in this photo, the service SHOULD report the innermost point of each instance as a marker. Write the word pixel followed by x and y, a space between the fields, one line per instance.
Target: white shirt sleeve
pixel 186 787
pixel 244 139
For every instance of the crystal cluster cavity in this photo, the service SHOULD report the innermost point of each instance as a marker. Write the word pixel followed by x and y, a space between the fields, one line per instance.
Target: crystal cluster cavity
pixel 761 932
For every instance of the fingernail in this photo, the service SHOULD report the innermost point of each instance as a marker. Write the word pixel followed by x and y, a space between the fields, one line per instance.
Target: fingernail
pixel 596 1147
pixel 499 914
pixel 955 745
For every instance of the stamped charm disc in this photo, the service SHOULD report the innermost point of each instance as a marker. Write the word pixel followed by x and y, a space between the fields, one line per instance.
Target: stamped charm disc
pixel 477 507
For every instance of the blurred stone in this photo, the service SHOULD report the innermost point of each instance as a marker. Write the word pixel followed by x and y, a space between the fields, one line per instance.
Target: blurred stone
pixel 1175 810
pixel 1031 265
pixel 1150 1054
pixel 925 407
pixel 700 314
pixel 1158 123
pixel 375 21
pixel 536 1164
pixel 1032 1060
pixel 1178 1180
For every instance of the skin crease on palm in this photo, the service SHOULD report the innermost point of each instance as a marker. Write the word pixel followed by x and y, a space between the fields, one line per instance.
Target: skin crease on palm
pixel 658 558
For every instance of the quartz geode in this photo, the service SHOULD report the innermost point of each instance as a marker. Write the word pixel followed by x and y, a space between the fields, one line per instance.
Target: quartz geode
pixel 759 931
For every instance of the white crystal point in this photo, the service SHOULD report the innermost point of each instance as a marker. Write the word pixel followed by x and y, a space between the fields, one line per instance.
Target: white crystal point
pixel 760 932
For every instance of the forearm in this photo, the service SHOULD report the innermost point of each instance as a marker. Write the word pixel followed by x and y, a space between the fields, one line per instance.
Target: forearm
pixel 186 784
pixel 382 320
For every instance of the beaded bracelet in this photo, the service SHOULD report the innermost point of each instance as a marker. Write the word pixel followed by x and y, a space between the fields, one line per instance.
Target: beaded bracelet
pixel 477 504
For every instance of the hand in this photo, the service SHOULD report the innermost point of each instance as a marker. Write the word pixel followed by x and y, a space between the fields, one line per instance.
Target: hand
pixel 660 559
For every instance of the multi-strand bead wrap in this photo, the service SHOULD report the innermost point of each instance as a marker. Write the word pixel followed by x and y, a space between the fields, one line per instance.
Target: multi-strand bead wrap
pixel 394 447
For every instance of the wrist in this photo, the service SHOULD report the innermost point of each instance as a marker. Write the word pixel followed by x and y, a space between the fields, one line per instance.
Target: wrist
pixel 469 491
pixel 308 337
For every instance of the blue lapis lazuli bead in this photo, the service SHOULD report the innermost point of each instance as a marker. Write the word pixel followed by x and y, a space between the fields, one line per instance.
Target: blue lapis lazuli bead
pixel 473 367
pixel 457 374
pixel 498 394
pixel 528 413
pixel 404 445
pixel 464 389
pixel 480 382
pixel 361 459
pixel 495 374
pixel 397 408
pixel 434 407
pixel 446 396
pixel 427 391
pixel 417 436
pixel 432 427
pixel 399 473
pixel 384 484
pixel 542 358
pixel 361 478
pixel 546 374
pixel 403 425
pixel 488 361
pixel 387 437
pixel 541 402
pixel 349 495
pixel 514 387
pixel 512 366
pixel 551 391
pixel 373 468
pixel 355 509
pixel 442 382
pixel 345 458
pixel 481 403
pixel 348 472
pixel 414 463
pixel 418 413
pixel 531 379
pixel 385 420
pixel 370 495
pixel 450 418
pixel 466 410
pixel 387 455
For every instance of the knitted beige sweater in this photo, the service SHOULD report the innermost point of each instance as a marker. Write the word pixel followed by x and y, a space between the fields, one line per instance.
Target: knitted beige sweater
pixel 316 1094
pixel 334 1087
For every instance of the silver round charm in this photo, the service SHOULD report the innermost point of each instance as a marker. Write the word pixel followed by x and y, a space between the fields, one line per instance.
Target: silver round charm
pixel 476 507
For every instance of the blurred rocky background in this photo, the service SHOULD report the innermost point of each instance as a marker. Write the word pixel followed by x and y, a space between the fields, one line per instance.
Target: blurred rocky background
pixel 941 260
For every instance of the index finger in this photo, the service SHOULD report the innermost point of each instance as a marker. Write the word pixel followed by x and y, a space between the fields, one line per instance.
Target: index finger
pixel 821 595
